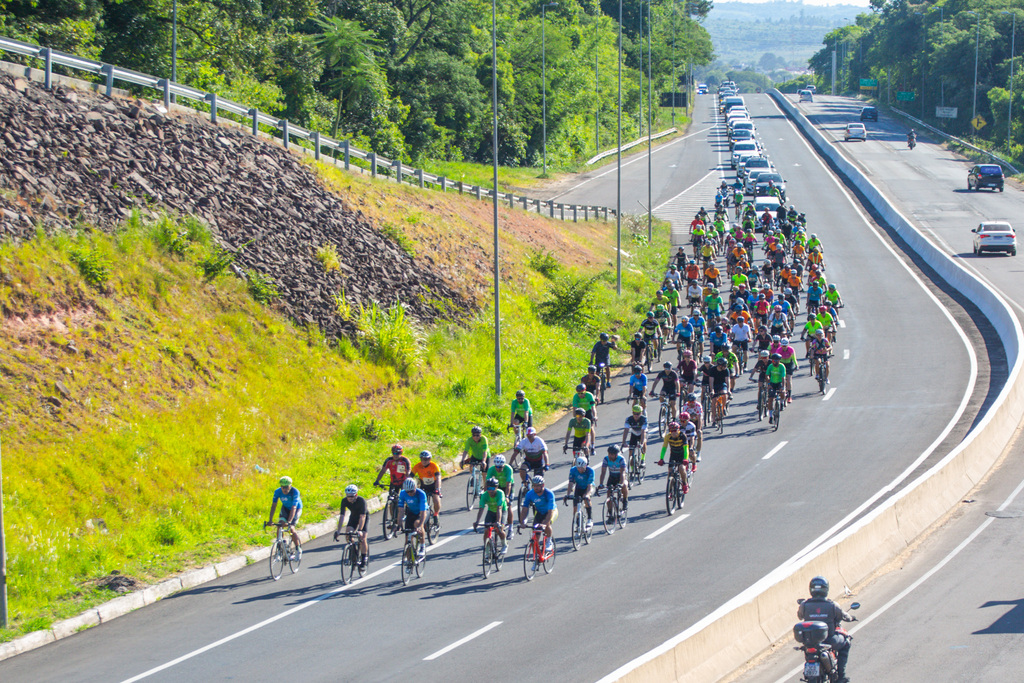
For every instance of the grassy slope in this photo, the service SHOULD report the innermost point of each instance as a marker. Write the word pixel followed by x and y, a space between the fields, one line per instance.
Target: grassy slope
pixel 188 400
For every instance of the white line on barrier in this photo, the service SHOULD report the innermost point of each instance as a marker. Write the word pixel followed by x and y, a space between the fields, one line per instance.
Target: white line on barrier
pixel 775 450
pixel 462 641
pixel 666 527
pixel 846 354
pixel 828 394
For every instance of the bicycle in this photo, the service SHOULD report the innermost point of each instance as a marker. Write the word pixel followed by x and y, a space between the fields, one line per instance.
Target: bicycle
pixel 350 559
pixel 762 401
pixel 778 404
pixel 637 465
pixel 580 533
pixel 821 372
pixel 475 483
pixel 536 555
pixel 433 527
pixel 281 551
pixel 493 556
pixel 413 557
pixel 389 520
pixel 604 372
pixel 705 404
pixel 613 509
pixel 664 416
pixel 718 412
pixel 674 495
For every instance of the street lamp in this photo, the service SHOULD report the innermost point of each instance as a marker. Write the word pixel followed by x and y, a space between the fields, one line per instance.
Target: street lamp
pixel 618 181
pixel 174 43
pixel 650 123
pixel 494 154
pixel 544 77
pixel 1009 110
pixel 977 36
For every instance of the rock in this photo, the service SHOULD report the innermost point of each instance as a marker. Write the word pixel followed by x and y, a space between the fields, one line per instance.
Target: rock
pixel 53 401
pixel 62 388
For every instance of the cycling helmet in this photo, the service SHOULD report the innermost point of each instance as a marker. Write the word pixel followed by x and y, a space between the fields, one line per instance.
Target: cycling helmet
pixel 714 290
pixel 684 416
pixel 819 333
pixel 492 482
pixel 819 587
pixel 409 484
pixel 520 394
pixel 693 262
pixel 637 408
pixel 538 480
pixel 613 450
pixel 727 345
pixel 580 387
pixel 477 430
pixel 650 314
pixel 722 361
pixel 531 431
pixel 784 341
pixel 690 398
pixel 581 461
pixel 778 308
pixel 763 353
pixel 706 359
pixel 776 356
pixel 637 335
pixel 760 296
pixel 351 490
pixel 814 236
pixel 285 481
pixel 701 210
pixel 591 368
pixel 776 338
pixel 604 336
pixel 687 353
pixel 425 455
pixel 660 308
pixel 718 328
pixel 637 368
pixel 579 411
pixel 810 316
pixel 667 365
pixel 499 461
pixel 396 450
pixel 673 426
pixel 831 286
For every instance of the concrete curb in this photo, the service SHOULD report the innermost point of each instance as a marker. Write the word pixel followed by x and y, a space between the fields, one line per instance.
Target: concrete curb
pixel 763 614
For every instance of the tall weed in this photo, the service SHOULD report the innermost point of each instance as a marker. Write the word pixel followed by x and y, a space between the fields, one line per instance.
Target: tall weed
pixel 92 266
pixel 327 255
pixel 570 302
pixel 544 262
pixel 389 336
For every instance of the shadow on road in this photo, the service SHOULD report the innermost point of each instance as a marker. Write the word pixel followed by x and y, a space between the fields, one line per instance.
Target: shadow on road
pixel 1011 622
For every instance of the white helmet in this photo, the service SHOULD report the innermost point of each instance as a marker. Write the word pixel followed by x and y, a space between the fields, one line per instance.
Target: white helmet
pixel 499 461
pixel 351 490
pixel 581 461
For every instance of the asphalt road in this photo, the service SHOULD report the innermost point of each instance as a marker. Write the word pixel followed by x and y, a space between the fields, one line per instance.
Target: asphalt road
pixel 953 610
pixel 760 499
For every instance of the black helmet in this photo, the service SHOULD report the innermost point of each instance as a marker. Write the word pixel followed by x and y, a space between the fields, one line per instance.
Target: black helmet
pixel 492 482
pixel 581 387
pixel 613 450
pixel 604 336
pixel 591 368
pixel 477 430
pixel 819 587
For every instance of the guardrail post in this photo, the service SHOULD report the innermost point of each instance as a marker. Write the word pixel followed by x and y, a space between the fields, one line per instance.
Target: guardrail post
pixel 347 157
pixel 477 191
pixel 419 176
pixel 574 207
pixel 561 207
pixel 511 200
pixel 444 184
pixel 165 85
pixel 373 164
pixel 606 213
pixel 48 61
pixel 552 205
pixel 211 97
pixel 255 114
pixel 536 205
pixel 316 144
pixel 525 200
pixel 460 186
pixel 283 125
pixel 398 171
pixel 107 70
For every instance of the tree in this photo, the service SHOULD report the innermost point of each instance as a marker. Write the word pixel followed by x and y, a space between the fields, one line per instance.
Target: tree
pixel 347 49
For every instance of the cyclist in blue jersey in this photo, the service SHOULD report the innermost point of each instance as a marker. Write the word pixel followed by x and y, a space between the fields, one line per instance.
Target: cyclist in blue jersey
pixel 291 509
pixel 684 335
pixel 545 509
pixel 614 465
pixel 581 487
pixel 412 501
pixel 637 386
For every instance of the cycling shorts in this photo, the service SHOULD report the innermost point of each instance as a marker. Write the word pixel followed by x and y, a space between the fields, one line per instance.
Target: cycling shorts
pixel 742 343
pixel 430 489
pixel 286 512
pixel 538 517
pixel 577 496
pixel 579 442
pixel 410 519
pixel 520 419
pixel 790 367
pixel 533 466
pixel 614 480
pixel 672 392
pixel 774 387
pixel 677 456
pixel 491 517
pixel 635 439
pixel 636 392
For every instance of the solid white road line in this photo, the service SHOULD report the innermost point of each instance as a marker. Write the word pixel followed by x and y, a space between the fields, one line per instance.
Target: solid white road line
pixel 463 641
pixel 828 394
pixel 846 354
pixel 775 450
pixel 666 527
pixel 705 177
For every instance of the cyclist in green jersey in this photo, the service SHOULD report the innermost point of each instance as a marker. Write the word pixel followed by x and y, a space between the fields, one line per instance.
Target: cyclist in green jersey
pixel 582 431
pixel 832 296
pixel 775 373
pixel 477 450
pixel 493 499
pixel 502 471
pixel 807 333
pixel 522 413
pixel 585 400
pixel 672 294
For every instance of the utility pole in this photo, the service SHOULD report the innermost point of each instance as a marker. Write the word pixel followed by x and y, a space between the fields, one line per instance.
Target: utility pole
pixel 494 153
pixel 618 175
pixel 3 547
pixel 650 123
pixel 544 78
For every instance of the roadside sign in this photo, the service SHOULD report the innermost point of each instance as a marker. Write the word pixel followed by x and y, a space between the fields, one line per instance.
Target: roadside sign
pixel 945 112
pixel 905 96
pixel 869 84
pixel 979 122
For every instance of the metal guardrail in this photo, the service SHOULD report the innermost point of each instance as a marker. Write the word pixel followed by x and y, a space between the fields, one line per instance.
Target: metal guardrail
pixel 289 130
pixel 608 153
pixel 959 141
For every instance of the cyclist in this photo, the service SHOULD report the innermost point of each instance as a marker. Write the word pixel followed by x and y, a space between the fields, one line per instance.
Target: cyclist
pixel 503 473
pixel 592 381
pixel 788 354
pixel 684 335
pixel 581 487
pixel 429 474
pixel 778 321
pixel 635 431
pixel 545 510
pixel 719 378
pixel 732 362
pixel 413 501
pixel 718 339
pixel 759 367
pixel 741 334
pixel 693 408
pixel 522 413
pixel 713 304
pixel 821 349
pixel 669 379
pixel 397 466
pixel 637 386
pixel 827 321
pixel 614 465
pixel 585 400
pixel 672 294
pixel 712 275
pixel 638 349
pixel 600 355
pixel 582 430
pixel 699 325
pixel 651 329
pixel 777 376
pixel 688 370
pixel 535 454
pixel 494 500
pixel 678 448
pixel 477 450
pixel 664 320
pixel 291 509
pixel 692 271
pixel 810 329
pixel 357 516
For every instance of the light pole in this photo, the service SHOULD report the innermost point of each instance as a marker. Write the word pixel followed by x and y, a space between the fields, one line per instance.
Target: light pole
pixel 618 175
pixel 494 153
pixel 650 123
pixel 544 77
pixel 3 551
pixel 174 43
pixel 977 36
pixel 1013 53
pixel 597 103
pixel 675 81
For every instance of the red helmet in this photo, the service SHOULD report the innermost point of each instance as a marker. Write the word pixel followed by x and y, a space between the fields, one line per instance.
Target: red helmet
pixel 684 416
pixel 396 450
pixel 673 426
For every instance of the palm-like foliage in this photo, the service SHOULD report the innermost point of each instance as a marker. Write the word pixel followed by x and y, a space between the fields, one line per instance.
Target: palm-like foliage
pixel 348 49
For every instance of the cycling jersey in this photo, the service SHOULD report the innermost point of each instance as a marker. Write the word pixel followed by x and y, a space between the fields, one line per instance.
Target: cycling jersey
pixel 688 370
pixel 730 358
pixel 614 466
pixel 692 272
pixel 580 427
pixel 698 324
pixel 585 400
pixel 739 279
pixel 356 509
pixel 695 410
pixel 820 347
pixel 788 353
pixel 414 503
pixel 670 381
pixel 718 338
pixel 543 503
pixel 504 475
pixel 532 450
pixel 684 330
pixel 638 382
pixel 591 382
pixel 719 379
pixel 713 304
pixel 712 273
pixel 477 449
pixel 673 296
pixel 493 500
pixel 636 424
pixel 638 347
pixel 812 326
pixel 521 408
pixel 288 500
pixel 825 318
pixel 776 374
pixel 677 445
pixel 581 480
pixel 397 468
pixel 601 351
pixel 650 326
pixel 427 473
pixel 741 333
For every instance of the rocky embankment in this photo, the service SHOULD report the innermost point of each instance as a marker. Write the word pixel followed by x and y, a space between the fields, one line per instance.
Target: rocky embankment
pixel 72 158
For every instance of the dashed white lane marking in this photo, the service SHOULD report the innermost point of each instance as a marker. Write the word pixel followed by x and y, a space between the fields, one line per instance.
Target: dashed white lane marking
pixel 842 323
pixel 846 354
pixel 775 450
pixel 828 394
pixel 666 527
pixel 462 641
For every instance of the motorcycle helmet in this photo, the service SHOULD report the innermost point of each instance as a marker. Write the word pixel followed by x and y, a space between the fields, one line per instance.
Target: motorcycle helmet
pixel 819 587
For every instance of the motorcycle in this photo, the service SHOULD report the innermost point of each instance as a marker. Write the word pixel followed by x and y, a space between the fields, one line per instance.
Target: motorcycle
pixel 820 660
pixel 911 143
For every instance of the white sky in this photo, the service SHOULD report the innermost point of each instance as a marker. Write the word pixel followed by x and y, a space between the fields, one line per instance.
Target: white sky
pixel 858 3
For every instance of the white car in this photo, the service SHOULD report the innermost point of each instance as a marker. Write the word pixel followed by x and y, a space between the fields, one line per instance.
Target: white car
pixel 752 163
pixel 744 149
pixel 806 96
pixel 995 236
pixel 856 131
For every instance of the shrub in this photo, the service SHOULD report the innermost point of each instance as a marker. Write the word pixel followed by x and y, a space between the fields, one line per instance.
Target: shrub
pixel 93 268
pixel 215 262
pixel 260 287
pixel 342 306
pixel 544 262
pixel 395 234
pixel 389 337
pixel 178 238
pixel 570 302
pixel 327 255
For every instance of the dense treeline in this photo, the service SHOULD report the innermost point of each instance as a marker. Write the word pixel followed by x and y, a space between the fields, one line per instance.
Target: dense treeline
pixel 408 78
pixel 928 49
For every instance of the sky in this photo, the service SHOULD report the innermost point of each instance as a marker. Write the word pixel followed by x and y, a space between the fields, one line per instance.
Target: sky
pixel 858 3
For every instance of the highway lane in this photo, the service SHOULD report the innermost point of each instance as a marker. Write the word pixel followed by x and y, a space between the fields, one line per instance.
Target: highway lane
pixel 747 515
pixel 957 609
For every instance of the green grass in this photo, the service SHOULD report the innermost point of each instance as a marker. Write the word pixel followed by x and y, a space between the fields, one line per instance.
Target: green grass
pixel 189 399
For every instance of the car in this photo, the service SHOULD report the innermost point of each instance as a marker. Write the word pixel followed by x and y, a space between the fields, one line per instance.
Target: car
pixel 856 131
pixel 985 175
pixel 741 124
pixel 731 102
pixel 995 236
pixel 752 163
pixel 740 136
pixel 806 96
pixel 744 149
pixel 868 114
pixel 813 88
pixel 762 203
pixel 702 89
pixel 760 187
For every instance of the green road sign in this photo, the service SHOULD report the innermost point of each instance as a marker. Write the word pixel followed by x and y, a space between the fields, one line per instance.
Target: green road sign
pixel 869 84
pixel 903 96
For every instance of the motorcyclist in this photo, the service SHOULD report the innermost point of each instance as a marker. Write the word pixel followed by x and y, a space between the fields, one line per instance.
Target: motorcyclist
pixel 819 608
pixel 911 138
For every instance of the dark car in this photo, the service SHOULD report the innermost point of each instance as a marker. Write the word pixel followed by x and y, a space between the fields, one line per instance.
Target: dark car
pixel 868 114
pixel 985 175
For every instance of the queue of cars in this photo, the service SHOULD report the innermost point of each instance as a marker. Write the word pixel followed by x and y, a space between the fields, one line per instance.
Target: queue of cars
pixel 748 156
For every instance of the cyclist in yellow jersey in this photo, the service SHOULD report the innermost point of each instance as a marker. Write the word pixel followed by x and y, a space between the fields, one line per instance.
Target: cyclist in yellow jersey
pixel 582 430
pixel 678 446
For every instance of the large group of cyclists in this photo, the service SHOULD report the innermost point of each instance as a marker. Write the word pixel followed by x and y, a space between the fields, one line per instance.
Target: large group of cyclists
pixel 730 304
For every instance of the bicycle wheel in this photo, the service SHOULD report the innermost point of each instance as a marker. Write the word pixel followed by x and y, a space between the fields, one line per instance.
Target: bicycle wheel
pixel 472 489
pixel 821 381
pixel 277 560
pixel 603 382
pixel 611 511
pixel 679 495
pixel 620 519
pixel 389 518
pixel 577 528
pixel 421 560
pixel 346 570
pixel 530 561
pixel 549 560
pixel 488 557
pixel 408 563
pixel 670 492
pixel 634 467
pixel 720 414
pixel 662 421
pixel 588 533
pixel 294 560
pixel 778 414
pixel 642 468
pixel 433 528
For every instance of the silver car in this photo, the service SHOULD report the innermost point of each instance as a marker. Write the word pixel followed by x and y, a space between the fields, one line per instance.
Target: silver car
pixel 995 236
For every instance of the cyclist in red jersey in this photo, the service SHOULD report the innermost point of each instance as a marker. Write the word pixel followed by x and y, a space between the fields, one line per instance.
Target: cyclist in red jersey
pixel 397 466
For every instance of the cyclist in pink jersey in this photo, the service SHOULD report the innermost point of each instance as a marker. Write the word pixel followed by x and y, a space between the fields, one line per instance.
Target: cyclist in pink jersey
pixel 788 359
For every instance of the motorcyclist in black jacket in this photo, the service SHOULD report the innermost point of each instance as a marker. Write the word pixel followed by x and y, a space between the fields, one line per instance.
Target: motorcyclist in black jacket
pixel 820 608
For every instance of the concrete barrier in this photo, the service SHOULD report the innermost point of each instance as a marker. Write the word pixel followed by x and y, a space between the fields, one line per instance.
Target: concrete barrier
pixel 742 628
